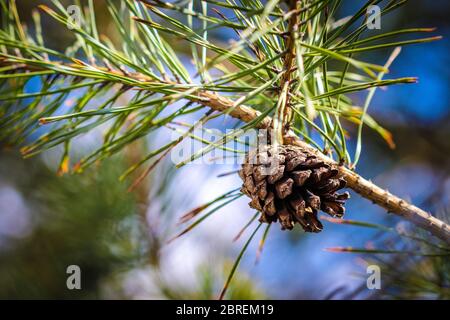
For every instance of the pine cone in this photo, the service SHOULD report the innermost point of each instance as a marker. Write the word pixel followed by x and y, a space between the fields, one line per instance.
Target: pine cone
pixel 289 185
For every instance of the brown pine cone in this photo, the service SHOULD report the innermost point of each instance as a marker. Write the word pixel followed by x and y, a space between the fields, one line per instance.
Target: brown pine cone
pixel 288 185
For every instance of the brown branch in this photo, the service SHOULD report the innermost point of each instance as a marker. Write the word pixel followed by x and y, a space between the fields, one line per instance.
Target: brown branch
pixel 288 63
pixel 364 187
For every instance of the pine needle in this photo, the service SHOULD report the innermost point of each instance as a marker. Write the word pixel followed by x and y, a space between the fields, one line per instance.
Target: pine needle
pixel 236 264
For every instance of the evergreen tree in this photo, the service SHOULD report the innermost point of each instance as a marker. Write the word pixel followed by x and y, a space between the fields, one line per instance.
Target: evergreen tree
pixel 291 67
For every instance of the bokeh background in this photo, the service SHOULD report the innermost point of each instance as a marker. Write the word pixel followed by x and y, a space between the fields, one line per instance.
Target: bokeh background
pixel 120 239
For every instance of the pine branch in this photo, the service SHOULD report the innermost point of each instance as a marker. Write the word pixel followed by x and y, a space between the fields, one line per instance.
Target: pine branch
pixel 284 112
pixel 270 57
pixel 365 188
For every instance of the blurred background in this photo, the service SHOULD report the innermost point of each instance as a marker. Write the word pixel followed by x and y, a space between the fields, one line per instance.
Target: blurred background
pixel 120 239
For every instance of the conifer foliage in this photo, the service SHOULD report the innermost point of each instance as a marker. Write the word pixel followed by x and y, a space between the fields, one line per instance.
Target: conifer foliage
pixel 291 66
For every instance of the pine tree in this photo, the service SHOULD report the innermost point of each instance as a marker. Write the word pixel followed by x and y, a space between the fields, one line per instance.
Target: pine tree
pixel 290 68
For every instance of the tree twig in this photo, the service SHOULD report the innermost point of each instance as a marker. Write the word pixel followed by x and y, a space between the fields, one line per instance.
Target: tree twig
pixel 365 188
pixel 288 63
